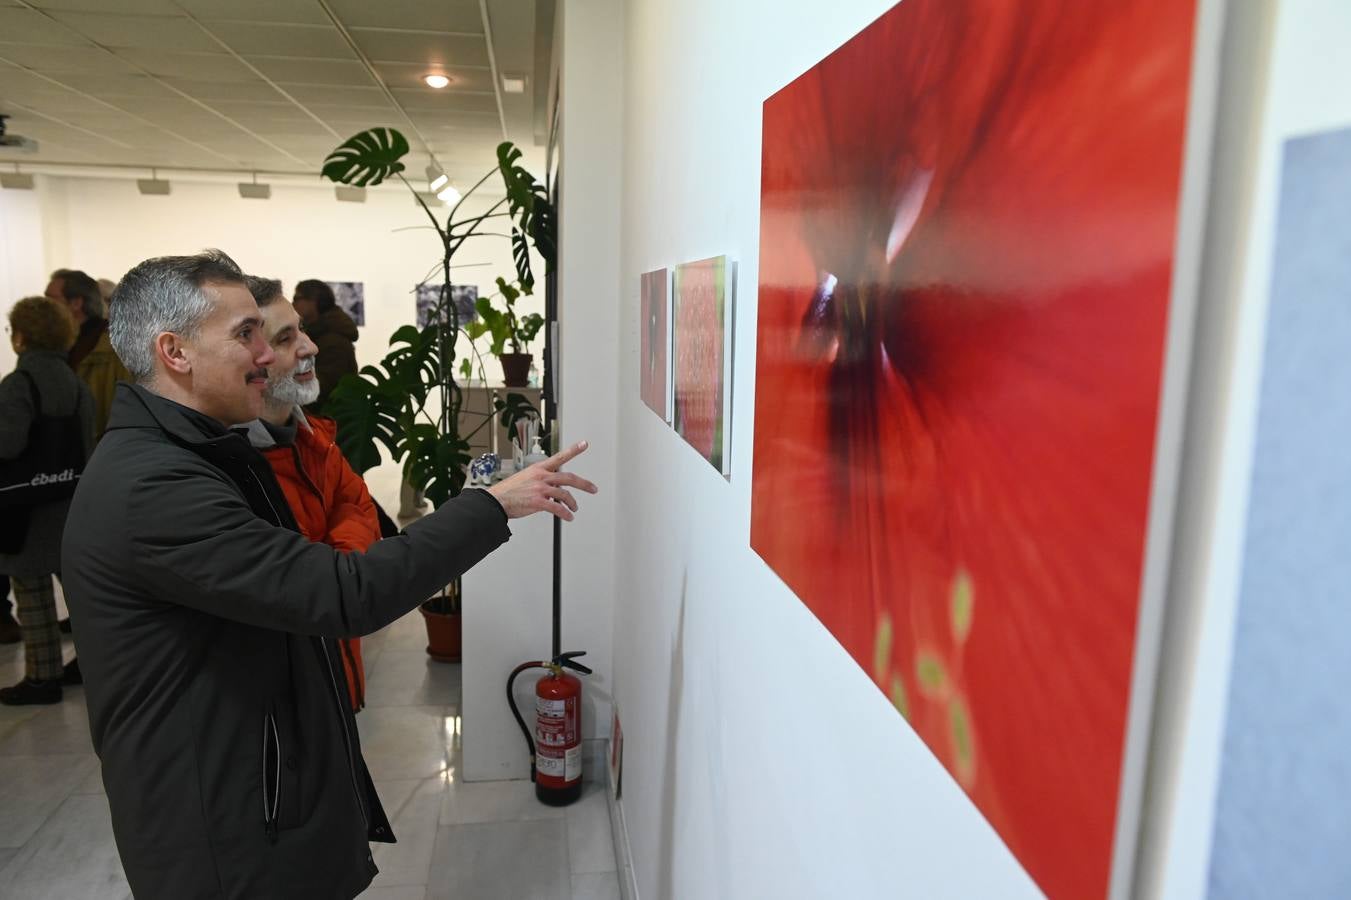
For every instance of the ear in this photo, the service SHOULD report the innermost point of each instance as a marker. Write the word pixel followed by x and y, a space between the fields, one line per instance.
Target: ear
pixel 172 352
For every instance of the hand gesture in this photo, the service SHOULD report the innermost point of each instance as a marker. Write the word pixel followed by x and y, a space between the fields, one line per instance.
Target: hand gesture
pixel 540 488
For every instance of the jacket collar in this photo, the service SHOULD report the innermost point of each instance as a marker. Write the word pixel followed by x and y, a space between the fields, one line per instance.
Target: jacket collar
pixel 136 407
pixel 261 437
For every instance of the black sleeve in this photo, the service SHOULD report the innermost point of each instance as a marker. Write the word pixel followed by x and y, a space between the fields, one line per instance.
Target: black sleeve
pixel 198 544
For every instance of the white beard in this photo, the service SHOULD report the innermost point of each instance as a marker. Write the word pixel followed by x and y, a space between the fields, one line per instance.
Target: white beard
pixel 284 391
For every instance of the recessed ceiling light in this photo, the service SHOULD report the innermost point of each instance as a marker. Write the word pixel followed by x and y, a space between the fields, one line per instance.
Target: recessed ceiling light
pixel 436 81
pixel 513 84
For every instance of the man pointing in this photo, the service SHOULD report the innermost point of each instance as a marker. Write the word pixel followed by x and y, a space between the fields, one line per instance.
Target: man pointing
pixel 206 623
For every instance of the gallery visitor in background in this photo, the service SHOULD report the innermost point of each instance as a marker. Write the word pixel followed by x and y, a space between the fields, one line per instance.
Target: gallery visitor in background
pixel 331 329
pixel 42 384
pixel 92 355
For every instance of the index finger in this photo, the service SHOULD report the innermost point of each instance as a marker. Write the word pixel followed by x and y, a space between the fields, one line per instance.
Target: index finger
pixel 558 460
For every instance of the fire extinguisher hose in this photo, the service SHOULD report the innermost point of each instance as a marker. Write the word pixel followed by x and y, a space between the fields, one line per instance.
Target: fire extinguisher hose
pixel 511 699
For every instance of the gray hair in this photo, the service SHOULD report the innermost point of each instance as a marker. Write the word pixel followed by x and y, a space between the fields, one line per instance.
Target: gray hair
pixel 264 290
pixel 159 295
pixel 75 283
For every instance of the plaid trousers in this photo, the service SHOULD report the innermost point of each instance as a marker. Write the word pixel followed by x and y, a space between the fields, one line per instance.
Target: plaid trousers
pixel 37 617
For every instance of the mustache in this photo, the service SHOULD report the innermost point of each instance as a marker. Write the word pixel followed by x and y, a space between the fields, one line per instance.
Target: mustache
pixel 258 374
pixel 303 366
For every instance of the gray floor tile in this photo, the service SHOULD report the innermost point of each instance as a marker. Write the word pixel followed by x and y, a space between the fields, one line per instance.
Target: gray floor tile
pixel 6 854
pixel 412 807
pixel 60 728
pixel 590 847
pixel 408 742
pixel 501 861
pixel 93 782
pixel 471 803
pixel 407 892
pixel 32 788
pixel 72 857
pixel 595 886
pixel 412 678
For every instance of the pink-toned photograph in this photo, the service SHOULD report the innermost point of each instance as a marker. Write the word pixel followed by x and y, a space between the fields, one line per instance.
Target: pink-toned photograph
pixel 702 341
pixel 655 359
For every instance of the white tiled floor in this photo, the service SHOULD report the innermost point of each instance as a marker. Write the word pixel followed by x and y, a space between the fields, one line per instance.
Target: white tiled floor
pixel 457 841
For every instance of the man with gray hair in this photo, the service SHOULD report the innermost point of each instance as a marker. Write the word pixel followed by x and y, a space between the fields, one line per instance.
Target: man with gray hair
pixel 92 357
pixel 205 621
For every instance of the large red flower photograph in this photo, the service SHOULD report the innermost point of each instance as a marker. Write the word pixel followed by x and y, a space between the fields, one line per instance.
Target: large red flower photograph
pixel 967 229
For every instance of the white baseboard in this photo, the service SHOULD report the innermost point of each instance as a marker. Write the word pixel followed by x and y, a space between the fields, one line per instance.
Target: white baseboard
pixel 628 883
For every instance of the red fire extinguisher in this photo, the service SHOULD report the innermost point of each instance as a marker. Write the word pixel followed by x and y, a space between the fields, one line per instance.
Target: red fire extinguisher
pixel 556 747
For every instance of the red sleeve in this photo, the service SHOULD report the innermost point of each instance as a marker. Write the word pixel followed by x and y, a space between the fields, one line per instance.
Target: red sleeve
pixel 352 523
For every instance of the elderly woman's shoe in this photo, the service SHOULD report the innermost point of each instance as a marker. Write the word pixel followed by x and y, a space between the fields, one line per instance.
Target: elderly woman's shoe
pixel 32 692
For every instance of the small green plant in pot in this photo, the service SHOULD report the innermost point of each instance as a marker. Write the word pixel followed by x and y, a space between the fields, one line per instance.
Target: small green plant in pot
pixel 506 327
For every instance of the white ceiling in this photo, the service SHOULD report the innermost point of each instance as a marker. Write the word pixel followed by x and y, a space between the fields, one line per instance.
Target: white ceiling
pixel 269 85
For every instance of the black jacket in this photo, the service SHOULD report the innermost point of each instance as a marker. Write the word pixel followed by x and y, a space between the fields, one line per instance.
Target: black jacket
pixel 204 625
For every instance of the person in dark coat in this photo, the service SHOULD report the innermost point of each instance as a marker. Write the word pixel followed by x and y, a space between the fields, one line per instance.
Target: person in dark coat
pixel 205 621
pixel 41 332
pixel 333 332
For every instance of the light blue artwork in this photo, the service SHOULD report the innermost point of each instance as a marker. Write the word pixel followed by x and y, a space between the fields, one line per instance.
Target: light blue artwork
pixel 1283 820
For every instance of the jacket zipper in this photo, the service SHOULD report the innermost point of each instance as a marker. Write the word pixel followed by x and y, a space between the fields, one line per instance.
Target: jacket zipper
pixel 342 714
pixel 270 811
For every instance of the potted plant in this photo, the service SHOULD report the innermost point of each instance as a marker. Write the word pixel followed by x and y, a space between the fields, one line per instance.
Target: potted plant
pixel 410 402
pixel 507 327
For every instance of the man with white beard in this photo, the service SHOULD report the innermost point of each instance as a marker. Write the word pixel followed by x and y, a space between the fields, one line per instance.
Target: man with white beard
pixel 329 500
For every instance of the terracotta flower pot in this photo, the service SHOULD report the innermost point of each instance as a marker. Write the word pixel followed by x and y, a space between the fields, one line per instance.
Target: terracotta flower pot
pixel 516 369
pixel 443 634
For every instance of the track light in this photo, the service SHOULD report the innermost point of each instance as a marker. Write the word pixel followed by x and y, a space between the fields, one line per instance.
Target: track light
pixel 254 190
pixel 16 180
pixel 152 185
pixel 448 194
pixel 350 194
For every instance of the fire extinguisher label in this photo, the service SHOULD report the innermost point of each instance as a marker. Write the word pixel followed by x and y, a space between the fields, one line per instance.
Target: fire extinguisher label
pixel 572 769
pixel 550 766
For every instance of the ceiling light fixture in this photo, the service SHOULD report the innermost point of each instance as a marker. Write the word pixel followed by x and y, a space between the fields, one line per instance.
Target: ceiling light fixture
pixel 152 186
pixel 348 194
pixel 436 80
pixel 438 182
pixel 255 191
pixel 16 180
pixel 513 84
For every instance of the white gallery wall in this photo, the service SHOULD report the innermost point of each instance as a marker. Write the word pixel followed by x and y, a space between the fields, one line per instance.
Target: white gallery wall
pixel 759 758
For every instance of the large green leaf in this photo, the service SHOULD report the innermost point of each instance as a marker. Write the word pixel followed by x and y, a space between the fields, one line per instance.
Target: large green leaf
pixel 368 158
pixel 532 214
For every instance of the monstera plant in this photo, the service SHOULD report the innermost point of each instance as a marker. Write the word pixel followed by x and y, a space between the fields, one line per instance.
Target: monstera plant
pixel 410 401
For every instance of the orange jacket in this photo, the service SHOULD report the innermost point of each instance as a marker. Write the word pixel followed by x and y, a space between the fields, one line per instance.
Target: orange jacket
pixel 331 504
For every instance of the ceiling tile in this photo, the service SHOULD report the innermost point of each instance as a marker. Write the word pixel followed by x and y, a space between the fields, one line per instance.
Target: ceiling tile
pixel 108 86
pixel 147 32
pixel 258 90
pixel 292 11
pixel 140 7
pixel 197 66
pixel 460 101
pixel 418 15
pixel 317 95
pixel 254 113
pixel 53 61
pixel 14 79
pixel 422 48
pixel 57 102
pixel 26 26
pixel 305 41
pixel 313 71
pixel 409 75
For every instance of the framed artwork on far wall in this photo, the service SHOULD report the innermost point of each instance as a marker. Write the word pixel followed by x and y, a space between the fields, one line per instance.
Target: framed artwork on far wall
pixel 464 296
pixel 351 297
pixel 655 355
pixel 701 342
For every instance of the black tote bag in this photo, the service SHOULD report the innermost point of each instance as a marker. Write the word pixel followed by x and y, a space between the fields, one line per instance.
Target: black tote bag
pixel 50 465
